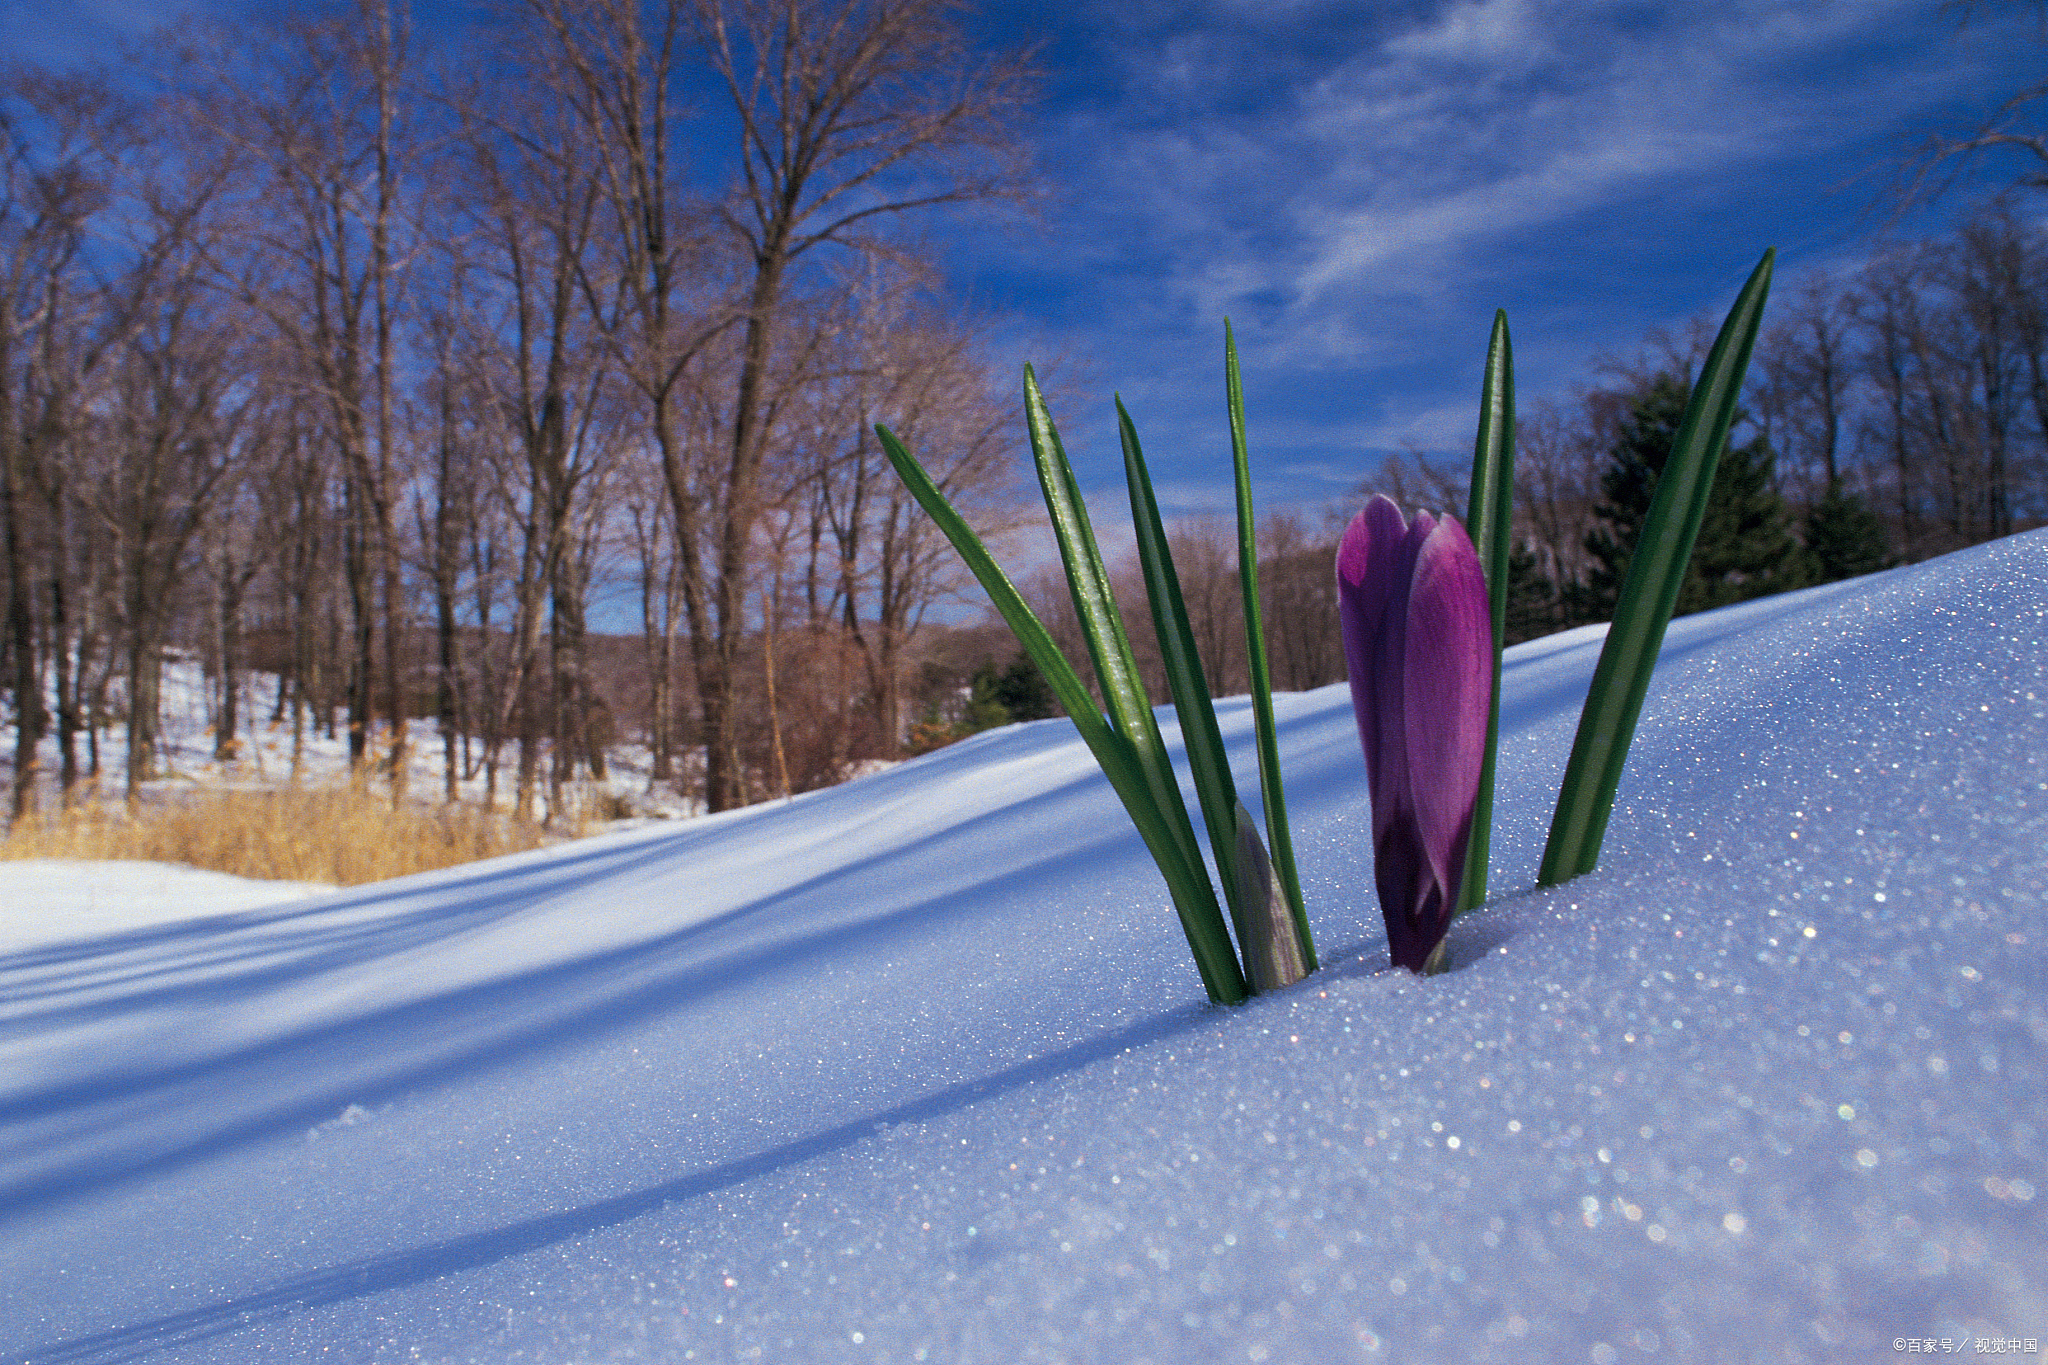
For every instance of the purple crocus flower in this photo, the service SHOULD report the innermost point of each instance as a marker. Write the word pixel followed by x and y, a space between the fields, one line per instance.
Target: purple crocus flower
pixel 1418 639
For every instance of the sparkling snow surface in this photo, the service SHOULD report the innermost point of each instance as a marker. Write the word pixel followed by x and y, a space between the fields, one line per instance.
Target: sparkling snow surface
pixel 917 1068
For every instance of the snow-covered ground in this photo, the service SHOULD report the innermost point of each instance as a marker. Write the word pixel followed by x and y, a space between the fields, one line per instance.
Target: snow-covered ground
pixel 58 900
pixel 918 1068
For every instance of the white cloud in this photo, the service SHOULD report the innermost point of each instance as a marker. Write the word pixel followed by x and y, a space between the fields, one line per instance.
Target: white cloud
pixel 1192 498
pixel 1384 174
pixel 1475 30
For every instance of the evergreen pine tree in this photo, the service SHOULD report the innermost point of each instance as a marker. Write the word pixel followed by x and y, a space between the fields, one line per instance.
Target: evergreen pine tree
pixel 985 708
pixel 1745 547
pixel 1023 692
pixel 1626 485
pixel 1844 537
pixel 1532 599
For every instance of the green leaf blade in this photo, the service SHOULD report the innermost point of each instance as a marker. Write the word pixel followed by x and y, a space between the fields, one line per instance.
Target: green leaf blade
pixel 1194 706
pixel 1489 517
pixel 1009 603
pixel 1123 691
pixel 1194 900
pixel 1102 626
pixel 1649 593
pixel 1272 795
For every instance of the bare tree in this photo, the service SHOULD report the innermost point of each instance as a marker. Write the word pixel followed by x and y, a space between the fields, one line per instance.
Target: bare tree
pixel 238 430
pixel 1952 334
pixel 1934 167
pixel 654 292
pixel 1891 315
pixel 297 499
pixel 851 113
pixel 445 532
pixel 660 599
pixel 236 546
pixel 2022 278
pixel 44 208
pixel 1805 373
pixel 1988 279
pixel 1557 482
pixel 534 205
pixel 877 563
pixel 1205 560
pixel 1298 591
pixel 318 110
pixel 98 241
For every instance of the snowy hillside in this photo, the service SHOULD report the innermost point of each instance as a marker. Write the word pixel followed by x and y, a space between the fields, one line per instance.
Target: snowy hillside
pixel 918 1068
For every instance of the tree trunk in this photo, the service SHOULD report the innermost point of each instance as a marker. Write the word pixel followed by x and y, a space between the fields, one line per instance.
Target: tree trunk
pixel 446 573
pixel 771 611
pixel 742 497
pixel 145 679
pixel 445 708
pixel 363 661
pixel 31 719
pixel 227 746
pixel 529 771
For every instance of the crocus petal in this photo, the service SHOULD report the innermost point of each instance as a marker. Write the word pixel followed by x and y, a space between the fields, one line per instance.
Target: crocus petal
pixel 1393 778
pixel 1418 643
pixel 1374 570
pixel 1411 903
pixel 1449 686
pixel 1365 558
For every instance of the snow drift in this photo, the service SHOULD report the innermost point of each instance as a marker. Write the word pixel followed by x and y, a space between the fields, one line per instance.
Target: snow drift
pixel 787 1084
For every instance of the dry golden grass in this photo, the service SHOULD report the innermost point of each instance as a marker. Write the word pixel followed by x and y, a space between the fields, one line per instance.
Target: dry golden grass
pixel 304 834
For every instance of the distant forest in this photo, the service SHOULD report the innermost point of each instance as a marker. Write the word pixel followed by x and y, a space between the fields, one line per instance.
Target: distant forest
pixel 331 357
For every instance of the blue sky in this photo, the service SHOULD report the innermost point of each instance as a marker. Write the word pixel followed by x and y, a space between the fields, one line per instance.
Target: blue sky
pixel 1359 186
